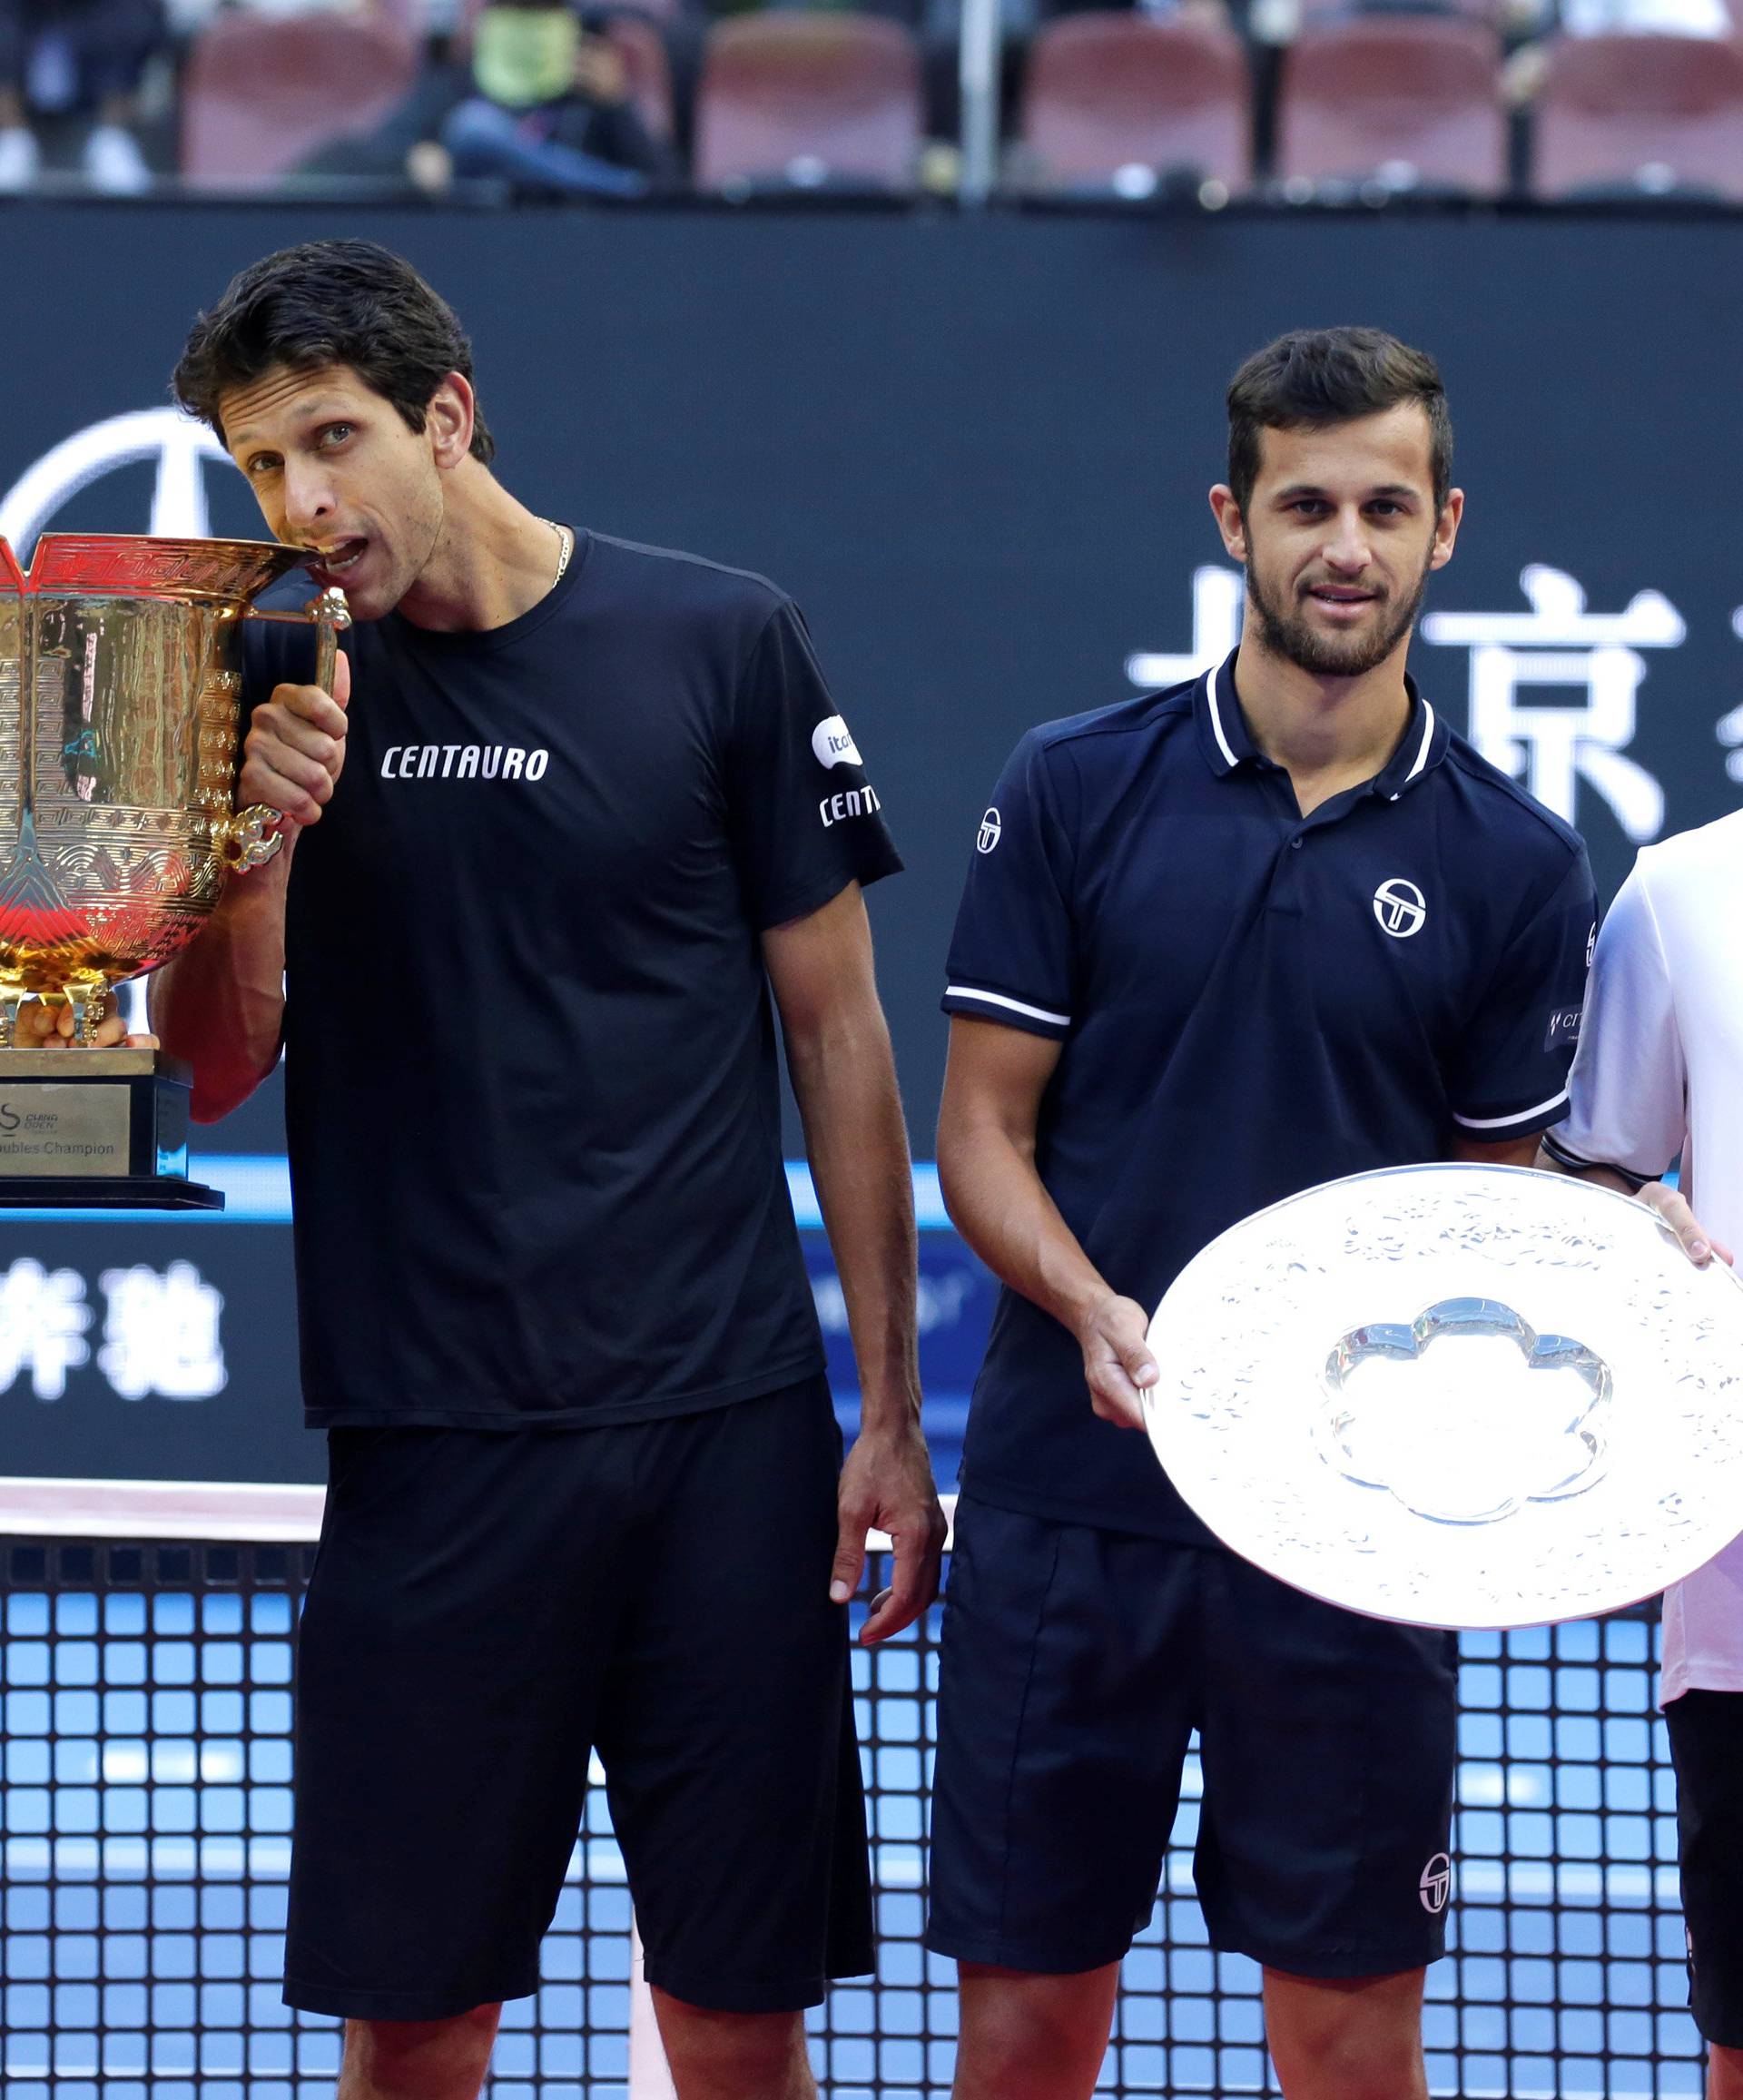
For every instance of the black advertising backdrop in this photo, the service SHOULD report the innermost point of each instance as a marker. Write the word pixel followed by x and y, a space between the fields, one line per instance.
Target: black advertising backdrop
pixel 976 452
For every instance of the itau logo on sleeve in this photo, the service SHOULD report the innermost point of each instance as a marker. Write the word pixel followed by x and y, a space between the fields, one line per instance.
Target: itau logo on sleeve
pixel 833 742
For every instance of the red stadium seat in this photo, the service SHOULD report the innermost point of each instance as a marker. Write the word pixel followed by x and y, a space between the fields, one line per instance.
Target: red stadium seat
pixel 1109 91
pixel 1416 92
pixel 411 15
pixel 260 94
pixel 1612 105
pixel 826 97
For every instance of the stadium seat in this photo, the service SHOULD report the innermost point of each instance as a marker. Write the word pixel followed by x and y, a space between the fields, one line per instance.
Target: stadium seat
pixel 260 94
pixel 1107 91
pixel 1613 106
pixel 809 99
pixel 1394 94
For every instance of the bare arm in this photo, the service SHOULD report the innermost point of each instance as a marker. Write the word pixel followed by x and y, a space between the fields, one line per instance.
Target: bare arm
pixel 221 1004
pixel 993 1087
pixel 844 1080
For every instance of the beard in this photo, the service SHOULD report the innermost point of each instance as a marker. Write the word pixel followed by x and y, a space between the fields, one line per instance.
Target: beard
pixel 1334 655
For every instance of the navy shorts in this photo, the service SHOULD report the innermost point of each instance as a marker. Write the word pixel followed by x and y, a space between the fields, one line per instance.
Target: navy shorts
pixel 1076 1664
pixel 1707 1748
pixel 490 1606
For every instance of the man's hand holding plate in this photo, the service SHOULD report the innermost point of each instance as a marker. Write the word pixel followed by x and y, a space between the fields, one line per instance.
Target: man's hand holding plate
pixel 1118 1365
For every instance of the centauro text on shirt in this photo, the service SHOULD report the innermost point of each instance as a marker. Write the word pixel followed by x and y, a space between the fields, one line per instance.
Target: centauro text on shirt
pixel 463 761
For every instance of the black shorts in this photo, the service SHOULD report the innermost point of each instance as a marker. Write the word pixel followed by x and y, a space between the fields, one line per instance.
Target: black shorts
pixel 1707 1748
pixel 487 1607
pixel 1077 1662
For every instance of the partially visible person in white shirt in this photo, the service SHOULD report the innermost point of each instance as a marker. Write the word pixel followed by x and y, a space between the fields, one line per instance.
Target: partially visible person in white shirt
pixel 1660 1074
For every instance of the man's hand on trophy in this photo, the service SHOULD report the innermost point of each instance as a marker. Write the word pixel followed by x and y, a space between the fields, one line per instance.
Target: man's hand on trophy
pixel 40 1026
pixel 1672 1208
pixel 1117 1365
pixel 295 748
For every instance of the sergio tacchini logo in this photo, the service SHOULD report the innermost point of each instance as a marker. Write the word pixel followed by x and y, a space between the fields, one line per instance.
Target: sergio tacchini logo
pixel 1400 908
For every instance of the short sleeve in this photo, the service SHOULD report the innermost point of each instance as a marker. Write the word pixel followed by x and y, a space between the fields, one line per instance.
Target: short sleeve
pixel 1013 954
pixel 1628 1093
pixel 1509 1077
pixel 805 820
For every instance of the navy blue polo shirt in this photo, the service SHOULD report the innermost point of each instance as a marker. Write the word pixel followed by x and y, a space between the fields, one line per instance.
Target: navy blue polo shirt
pixel 1248 1002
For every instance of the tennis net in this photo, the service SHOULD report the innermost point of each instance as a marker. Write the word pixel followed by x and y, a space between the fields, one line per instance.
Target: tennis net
pixel 144 1839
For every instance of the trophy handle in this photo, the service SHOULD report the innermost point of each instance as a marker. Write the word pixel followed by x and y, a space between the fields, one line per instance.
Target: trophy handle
pixel 249 838
pixel 331 614
pixel 240 839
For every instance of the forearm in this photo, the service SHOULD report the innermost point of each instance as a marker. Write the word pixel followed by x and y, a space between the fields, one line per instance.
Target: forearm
pixel 1001 1206
pixel 845 1079
pixel 219 1005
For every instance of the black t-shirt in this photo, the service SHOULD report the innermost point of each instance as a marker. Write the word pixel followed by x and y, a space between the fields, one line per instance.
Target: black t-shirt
pixel 532 1092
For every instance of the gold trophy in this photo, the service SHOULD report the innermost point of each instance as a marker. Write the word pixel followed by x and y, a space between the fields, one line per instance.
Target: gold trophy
pixel 117 834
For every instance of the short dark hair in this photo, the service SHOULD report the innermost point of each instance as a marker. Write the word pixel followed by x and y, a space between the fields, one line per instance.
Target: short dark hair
pixel 1332 375
pixel 329 303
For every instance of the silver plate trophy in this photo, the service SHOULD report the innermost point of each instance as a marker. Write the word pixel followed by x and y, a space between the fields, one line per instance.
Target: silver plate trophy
pixel 1456 1396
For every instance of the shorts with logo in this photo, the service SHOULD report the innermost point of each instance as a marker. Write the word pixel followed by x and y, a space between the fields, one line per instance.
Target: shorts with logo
pixel 1707 1748
pixel 1075 1663
pixel 487 1608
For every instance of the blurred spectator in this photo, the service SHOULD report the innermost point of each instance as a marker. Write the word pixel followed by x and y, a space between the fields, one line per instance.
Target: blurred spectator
pixel 542 103
pixel 64 59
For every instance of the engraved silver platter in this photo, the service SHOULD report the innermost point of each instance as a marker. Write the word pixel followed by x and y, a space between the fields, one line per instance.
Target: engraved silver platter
pixel 1456 1396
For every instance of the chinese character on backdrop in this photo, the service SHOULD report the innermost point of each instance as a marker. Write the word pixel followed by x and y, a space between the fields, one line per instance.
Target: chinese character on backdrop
pixel 161 1334
pixel 1553 748
pixel 43 1320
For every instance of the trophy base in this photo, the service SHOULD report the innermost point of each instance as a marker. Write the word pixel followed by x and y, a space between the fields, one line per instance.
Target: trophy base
pixel 107 1192
pixel 96 1129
